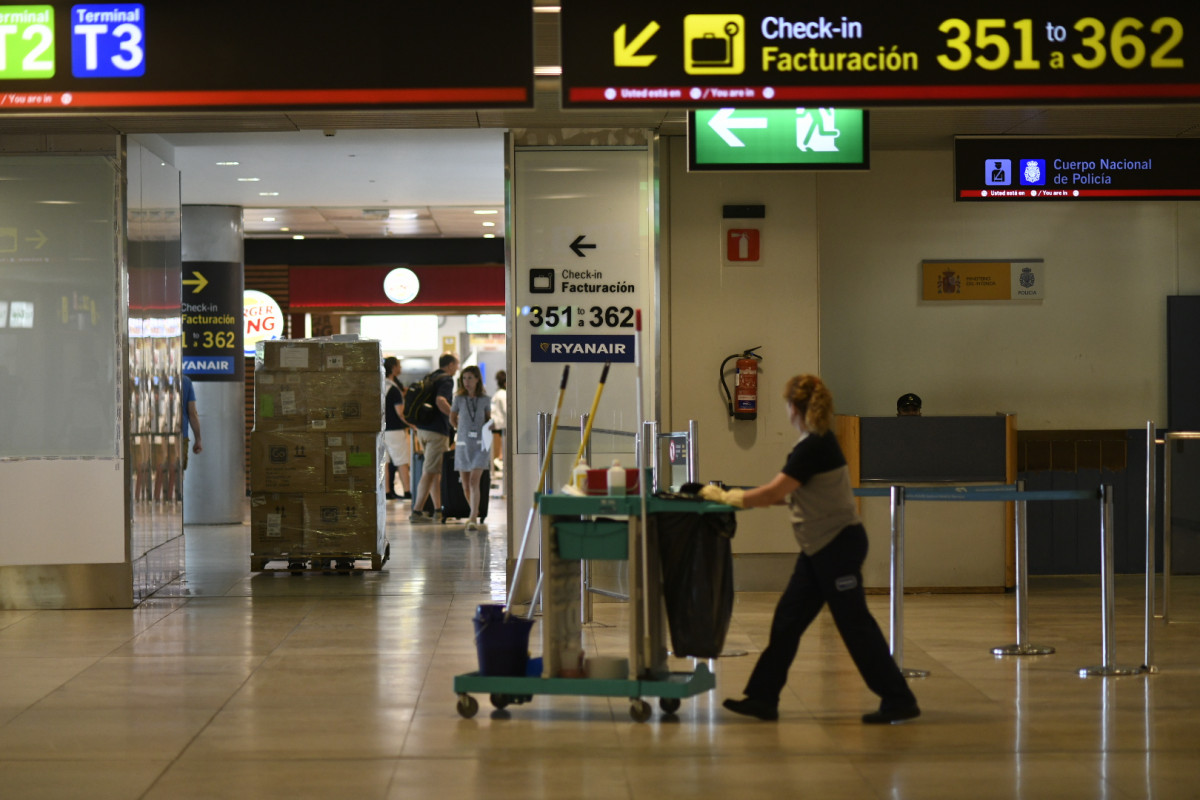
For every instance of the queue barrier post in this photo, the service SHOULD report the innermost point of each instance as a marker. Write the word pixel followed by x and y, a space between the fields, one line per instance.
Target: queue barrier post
pixel 899 496
pixel 1022 647
pixel 586 611
pixel 1107 590
pixel 1151 497
pixel 1166 526
pixel 1171 437
pixel 897 593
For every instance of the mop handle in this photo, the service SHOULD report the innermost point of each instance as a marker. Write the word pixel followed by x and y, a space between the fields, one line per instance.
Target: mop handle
pixel 562 390
pixel 587 431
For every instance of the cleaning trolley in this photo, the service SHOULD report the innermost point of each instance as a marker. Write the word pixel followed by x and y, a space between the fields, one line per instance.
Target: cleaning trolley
pixel 574 529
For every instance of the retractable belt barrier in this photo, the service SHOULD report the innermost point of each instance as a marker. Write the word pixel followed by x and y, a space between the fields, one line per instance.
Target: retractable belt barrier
pixel 1005 493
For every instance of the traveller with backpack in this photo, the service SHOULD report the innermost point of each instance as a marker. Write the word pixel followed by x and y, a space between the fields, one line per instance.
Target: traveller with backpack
pixel 427 408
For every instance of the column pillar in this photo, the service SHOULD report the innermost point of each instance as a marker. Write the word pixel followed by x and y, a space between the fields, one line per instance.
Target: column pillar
pixel 214 484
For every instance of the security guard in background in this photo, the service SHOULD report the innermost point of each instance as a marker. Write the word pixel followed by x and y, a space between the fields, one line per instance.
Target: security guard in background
pixel 909 405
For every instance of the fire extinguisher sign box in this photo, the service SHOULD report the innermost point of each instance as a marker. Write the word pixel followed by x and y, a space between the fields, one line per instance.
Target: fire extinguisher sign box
pixel 741 244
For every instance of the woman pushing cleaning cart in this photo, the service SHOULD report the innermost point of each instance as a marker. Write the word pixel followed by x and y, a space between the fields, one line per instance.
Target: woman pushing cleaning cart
pixel 815 484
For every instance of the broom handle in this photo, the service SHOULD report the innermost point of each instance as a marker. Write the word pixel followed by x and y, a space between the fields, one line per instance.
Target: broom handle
pixel 647 448
pixel 587 430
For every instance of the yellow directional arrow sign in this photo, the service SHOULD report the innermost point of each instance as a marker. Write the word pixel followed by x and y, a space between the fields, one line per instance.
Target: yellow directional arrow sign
pixel 200 282
pixel 625 54
pixel 40 239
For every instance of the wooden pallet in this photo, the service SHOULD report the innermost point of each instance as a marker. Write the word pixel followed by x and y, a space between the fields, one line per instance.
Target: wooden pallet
pixel 321 562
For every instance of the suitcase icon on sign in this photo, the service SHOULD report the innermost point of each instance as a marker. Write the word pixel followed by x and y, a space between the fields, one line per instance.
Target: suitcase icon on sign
pixel 711 50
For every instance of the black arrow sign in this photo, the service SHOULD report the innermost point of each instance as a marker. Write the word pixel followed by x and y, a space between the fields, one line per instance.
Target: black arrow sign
pixel 578 248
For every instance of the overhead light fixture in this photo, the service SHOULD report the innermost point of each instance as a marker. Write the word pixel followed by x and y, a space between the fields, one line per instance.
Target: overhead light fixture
pixel 489 236
pixel 268 194
pixel 547 72
pixel 285 229
pixel 401 285
pixel 249 180
pixel 59 202
pixel 486 211
pixel 228 163
pixel 298 236
pixel 489 224
pixel 547 9
pixel 268 219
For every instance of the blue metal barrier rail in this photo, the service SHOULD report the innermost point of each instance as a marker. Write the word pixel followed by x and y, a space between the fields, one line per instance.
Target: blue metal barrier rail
pixel 900 494
pixel 1002 493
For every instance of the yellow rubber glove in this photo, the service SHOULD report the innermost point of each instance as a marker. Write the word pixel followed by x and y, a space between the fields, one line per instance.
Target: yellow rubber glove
pixel 730 497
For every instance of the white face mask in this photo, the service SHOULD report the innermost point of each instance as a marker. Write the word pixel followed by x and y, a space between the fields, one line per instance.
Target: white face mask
pixel 797 420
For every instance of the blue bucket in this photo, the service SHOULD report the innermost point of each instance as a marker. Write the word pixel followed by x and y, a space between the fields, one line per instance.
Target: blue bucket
pixel 503 645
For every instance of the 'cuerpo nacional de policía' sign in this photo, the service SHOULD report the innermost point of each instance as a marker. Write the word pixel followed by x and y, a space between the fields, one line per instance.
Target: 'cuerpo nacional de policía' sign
pixel 766 52
pixel 161 55
pixel 1030 169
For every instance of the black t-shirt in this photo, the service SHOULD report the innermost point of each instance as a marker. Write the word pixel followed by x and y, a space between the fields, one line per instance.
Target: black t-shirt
pixel 393 398
pixel 823 505
pixel 813 455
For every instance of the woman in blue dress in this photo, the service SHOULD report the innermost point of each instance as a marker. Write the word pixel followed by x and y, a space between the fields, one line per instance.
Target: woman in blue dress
pixel 471 410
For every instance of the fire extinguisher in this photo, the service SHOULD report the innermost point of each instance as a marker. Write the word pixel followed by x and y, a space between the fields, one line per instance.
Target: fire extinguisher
pixel 744 403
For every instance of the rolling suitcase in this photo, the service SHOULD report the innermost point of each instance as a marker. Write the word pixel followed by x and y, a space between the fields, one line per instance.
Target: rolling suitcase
pixel 454 499
pixel 414 478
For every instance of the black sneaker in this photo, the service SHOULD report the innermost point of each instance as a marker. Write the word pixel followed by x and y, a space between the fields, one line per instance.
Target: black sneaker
pixel 750 707
pixel 392 496
pixel 892 715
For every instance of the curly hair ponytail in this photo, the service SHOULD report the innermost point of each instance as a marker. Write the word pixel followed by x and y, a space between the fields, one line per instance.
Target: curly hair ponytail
pixel 812 400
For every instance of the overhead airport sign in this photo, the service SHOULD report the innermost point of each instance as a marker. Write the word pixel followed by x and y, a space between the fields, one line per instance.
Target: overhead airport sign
pixel 1035 170
pixel 766 53
pixel 776 139
pixel 225 54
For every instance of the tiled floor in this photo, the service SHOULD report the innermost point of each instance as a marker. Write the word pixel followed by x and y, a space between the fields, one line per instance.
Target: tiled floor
pixel 239 685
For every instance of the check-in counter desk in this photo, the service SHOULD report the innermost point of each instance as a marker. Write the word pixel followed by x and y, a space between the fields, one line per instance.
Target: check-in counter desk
pixel 949 546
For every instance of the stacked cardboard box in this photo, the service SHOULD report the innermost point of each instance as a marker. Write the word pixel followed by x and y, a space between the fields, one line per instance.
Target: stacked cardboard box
pixel 316 453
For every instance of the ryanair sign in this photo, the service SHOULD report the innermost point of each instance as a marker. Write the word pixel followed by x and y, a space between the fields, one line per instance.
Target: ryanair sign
pixel 582 349
pixel 208 365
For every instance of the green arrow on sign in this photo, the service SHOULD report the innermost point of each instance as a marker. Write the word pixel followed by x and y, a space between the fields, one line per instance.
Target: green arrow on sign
pixel 723 124
pixel 793 138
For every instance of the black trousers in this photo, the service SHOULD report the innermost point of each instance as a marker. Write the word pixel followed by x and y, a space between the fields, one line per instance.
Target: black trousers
pixel 832 576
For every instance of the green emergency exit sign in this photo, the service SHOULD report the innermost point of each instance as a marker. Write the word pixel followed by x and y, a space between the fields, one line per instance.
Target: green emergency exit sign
pixel 777 139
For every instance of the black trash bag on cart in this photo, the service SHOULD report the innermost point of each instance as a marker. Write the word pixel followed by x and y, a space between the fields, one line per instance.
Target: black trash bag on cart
pixel 697 567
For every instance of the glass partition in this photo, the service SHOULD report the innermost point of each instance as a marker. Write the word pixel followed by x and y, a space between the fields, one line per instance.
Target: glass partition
pixel 60 307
